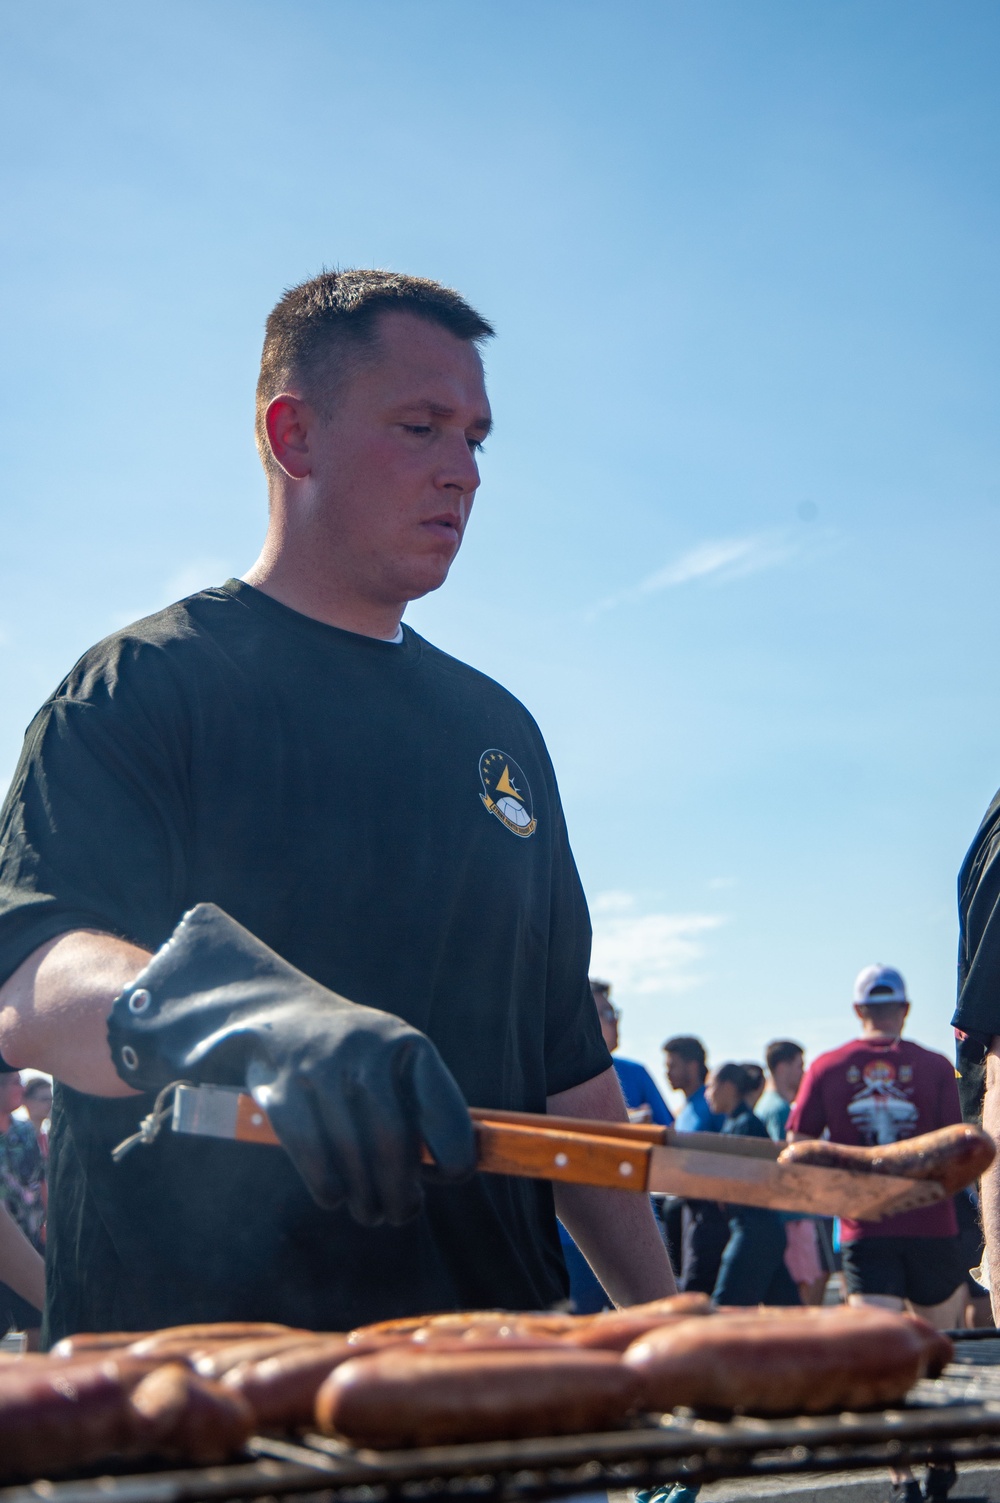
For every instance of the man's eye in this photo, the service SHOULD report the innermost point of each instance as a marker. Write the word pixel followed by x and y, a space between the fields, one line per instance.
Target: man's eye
pixel 477 445
pixel 420 429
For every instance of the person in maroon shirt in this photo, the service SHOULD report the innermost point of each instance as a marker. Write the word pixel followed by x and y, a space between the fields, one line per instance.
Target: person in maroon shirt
pixel 878 1089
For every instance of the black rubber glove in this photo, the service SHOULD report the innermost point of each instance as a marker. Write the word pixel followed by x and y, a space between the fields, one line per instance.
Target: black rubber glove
pixel 351 1092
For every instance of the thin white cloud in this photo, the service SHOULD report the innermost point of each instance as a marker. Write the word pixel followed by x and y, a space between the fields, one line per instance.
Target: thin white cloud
pixel 647 954
pixel 719 560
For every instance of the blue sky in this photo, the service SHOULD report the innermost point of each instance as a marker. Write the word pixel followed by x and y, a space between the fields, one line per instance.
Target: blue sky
pixel 736 536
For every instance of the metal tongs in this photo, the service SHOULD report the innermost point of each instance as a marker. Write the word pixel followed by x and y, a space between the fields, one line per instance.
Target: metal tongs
pixel 696 1165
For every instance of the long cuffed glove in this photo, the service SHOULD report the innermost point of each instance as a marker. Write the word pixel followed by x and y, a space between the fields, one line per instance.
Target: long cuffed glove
pixel 351 1092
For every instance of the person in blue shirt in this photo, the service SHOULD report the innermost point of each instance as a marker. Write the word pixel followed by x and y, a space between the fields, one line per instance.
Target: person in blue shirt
pixel 644 1102
pixel 697 1230
pixel 686 1068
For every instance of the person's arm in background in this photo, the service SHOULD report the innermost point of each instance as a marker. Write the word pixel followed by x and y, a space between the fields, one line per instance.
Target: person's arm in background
pixel 977 1016
pixel 614 1229
pixel 807 1118
pixel 21 1267
pixel 989 1185
pixel 54 1009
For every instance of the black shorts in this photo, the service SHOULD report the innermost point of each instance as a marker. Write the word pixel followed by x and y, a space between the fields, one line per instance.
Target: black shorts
pixel 925 1270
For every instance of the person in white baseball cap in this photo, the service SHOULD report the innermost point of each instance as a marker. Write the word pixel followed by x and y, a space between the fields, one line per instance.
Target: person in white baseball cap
pixel 877 1089
pixel 880 984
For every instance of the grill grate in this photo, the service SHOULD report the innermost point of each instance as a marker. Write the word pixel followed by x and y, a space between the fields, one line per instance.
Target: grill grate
pixel 954 1417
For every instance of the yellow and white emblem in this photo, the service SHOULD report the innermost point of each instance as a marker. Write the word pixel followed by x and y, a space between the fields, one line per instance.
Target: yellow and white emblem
pixel 506 793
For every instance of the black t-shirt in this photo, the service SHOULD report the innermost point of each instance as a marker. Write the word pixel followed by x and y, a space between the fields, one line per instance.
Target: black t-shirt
pixel 385 818
pixel 978 1009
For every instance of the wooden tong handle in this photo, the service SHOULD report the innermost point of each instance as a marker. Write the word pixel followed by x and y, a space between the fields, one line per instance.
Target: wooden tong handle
pixel 632 1132
pixel 529 1145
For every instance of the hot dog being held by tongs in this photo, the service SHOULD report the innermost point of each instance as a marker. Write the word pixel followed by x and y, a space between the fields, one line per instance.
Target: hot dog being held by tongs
pixel 952 1157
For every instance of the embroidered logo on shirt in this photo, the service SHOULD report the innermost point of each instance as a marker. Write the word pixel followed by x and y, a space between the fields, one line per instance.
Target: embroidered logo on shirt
pixel 506 793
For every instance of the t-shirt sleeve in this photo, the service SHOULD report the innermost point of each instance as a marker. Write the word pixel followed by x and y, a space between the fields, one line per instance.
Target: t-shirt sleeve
pixel 808 1113
pixel 575 1050
pixel 978 1008
pixel 91 833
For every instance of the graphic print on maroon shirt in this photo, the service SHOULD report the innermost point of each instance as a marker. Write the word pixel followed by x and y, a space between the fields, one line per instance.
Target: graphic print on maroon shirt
pixel 870 1092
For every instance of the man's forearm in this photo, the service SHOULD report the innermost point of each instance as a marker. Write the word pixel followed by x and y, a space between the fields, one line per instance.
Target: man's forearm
pixel 989 1185
pixel 54 1009
pixel 614 1229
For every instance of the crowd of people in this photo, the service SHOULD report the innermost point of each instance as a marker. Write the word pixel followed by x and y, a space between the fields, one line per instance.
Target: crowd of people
pixel 25 1106
pixel 875 1089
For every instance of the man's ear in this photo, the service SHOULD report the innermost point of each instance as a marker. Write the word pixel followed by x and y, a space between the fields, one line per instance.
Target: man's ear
pixel 288 420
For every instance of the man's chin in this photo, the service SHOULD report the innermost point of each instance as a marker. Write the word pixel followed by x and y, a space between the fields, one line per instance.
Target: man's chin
pixel 426 580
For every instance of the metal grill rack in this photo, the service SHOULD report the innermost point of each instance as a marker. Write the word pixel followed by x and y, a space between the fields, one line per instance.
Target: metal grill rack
pixel 955 1417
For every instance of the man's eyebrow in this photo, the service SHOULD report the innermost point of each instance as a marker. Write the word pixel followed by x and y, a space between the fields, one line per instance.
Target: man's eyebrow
pixel 481 425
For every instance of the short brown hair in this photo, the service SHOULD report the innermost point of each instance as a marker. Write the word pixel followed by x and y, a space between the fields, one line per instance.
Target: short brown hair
pixel 781 1051
pixel 689 1049
pixel 316 329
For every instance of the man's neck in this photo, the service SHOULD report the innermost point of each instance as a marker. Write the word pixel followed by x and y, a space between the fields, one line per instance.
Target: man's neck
pixel 301 592
pixel 5 1120
pixel 879 1036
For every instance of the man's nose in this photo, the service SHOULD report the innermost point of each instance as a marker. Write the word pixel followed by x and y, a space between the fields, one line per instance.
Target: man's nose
pixel 459 470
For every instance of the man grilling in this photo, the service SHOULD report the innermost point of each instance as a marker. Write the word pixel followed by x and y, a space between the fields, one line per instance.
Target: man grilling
pixel 271 838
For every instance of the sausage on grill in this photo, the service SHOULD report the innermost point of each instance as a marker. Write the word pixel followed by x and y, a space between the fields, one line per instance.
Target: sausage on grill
pixel 281 1389
pixel 938 1348
pixel 63 1415
pixel 405 1396
pixel 761 1365
pixel 173 1339
pixel 182 1417
pixel 614 1330
pixel 88 1343
pixel 219 1360
pixel 56 1418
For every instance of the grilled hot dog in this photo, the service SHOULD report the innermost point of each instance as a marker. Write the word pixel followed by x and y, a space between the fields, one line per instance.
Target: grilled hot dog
pixel 182 1417
pixel 63 1415
pixel 406 1396
pixel 760 1365
pixel 174 1339
pixel 89 1343
pixel 281 1389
